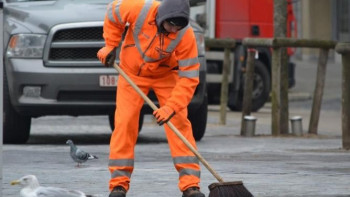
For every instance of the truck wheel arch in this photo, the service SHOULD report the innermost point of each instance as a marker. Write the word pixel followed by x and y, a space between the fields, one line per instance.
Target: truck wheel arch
pixel 16 127
pixel 262 80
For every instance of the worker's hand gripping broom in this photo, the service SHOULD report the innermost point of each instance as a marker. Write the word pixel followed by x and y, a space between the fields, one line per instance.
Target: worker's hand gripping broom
pixel 221 189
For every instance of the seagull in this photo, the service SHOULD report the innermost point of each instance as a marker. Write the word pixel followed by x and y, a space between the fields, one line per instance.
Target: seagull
pixel 79 155
pixel 32 188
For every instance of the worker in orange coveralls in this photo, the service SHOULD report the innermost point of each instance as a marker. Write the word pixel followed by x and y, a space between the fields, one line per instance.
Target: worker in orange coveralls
pixel 158 52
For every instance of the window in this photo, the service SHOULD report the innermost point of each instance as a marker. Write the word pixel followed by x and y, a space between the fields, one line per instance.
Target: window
pixel 343 20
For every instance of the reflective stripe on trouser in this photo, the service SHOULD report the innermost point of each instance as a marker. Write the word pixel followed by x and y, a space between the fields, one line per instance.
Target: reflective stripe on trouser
pixel 125 134
pixel 189 172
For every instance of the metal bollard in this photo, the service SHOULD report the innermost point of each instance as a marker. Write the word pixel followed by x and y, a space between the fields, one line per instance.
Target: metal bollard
pixel 297 126
pixel 249 125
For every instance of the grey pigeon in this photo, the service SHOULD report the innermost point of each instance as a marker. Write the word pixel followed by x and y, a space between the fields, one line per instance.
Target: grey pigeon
pixel 32 188
pixel 79 155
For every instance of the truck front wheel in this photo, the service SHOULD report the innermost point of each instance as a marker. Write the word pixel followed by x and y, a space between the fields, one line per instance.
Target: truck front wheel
pixel 198 119
pixel 111 121
pixel 16 128
pixel 261 89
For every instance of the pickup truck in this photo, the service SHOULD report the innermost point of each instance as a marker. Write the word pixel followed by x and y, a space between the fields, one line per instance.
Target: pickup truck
pixel 51 68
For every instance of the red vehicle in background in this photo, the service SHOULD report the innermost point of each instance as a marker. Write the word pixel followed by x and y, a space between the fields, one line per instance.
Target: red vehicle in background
pixel 239 19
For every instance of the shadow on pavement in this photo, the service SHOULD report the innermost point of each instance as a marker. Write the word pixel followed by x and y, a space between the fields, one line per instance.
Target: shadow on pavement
pixel 86 139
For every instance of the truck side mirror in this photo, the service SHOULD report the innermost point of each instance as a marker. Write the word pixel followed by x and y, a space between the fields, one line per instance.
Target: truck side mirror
pixel 1 4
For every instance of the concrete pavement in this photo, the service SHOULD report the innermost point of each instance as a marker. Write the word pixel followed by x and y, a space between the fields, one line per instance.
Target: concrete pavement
pixel 308 165
pixel 269 166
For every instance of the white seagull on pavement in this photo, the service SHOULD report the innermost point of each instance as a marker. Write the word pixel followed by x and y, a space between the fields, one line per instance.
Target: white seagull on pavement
pixel 32 188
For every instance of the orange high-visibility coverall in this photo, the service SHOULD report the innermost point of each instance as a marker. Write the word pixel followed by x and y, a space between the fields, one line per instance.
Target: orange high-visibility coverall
pixel 167 63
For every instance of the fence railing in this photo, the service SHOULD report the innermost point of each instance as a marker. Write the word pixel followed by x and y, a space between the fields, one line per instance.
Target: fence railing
pixel 227 45
pixel 277 44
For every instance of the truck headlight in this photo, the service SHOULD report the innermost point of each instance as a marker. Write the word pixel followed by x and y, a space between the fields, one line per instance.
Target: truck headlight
pixel 200 44
pixel 26 46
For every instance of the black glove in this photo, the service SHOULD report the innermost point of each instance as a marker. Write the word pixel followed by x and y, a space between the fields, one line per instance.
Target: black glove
pixel 163 114
pixel 107 55
pixel 110 59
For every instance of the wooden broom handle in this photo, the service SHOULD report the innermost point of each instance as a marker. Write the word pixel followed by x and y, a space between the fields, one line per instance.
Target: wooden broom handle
pixel 172 127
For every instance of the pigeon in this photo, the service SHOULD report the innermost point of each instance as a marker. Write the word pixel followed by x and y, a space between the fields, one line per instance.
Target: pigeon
pixel 79 155
pixel 32 188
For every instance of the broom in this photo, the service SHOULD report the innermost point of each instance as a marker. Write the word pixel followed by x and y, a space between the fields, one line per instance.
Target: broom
pixel 221 189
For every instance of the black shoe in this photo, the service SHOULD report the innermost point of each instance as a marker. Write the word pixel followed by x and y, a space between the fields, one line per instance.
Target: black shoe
pixel 192 192
pixel 118 191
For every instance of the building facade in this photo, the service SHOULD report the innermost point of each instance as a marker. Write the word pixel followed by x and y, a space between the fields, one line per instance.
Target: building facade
pixel 322 19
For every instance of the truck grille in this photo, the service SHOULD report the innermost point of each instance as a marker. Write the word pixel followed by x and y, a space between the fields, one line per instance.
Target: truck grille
pixel 74 45
pixel 71 54
pixel 79 34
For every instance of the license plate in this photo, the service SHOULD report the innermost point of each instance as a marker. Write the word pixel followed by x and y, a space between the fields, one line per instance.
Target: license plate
pixel 108 80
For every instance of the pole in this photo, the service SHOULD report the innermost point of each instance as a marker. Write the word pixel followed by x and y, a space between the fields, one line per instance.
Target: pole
pixel 284 93
pixel 248 89
pixel 1 86
pixel 224 86
pixel 281 108
pixel 346 100
pixel 318 93
pixel 275 92
pixel 344 50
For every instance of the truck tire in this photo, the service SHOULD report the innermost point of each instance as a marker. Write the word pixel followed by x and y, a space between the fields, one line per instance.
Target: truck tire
pixel 261 89
pixel 198 120
pixel 16 127
pixel 111 121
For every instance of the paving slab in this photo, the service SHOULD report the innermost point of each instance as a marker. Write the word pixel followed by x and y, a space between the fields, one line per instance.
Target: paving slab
pixel 306 165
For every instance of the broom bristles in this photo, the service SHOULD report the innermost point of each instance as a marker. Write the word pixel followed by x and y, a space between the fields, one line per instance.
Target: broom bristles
pixel 229 189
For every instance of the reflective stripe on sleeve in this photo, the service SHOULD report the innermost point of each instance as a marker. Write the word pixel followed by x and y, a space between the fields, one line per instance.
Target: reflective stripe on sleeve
pixel 110 13
pixel 189 73
pixel 116 11
pixel 188 62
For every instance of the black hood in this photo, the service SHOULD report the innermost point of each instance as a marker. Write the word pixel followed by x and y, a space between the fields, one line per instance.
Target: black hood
pixel 173 8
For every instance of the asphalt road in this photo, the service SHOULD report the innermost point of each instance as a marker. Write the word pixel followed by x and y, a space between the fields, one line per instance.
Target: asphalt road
pixel 308 165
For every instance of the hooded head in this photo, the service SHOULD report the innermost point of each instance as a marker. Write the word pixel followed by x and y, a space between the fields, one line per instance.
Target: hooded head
pixel 176 12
